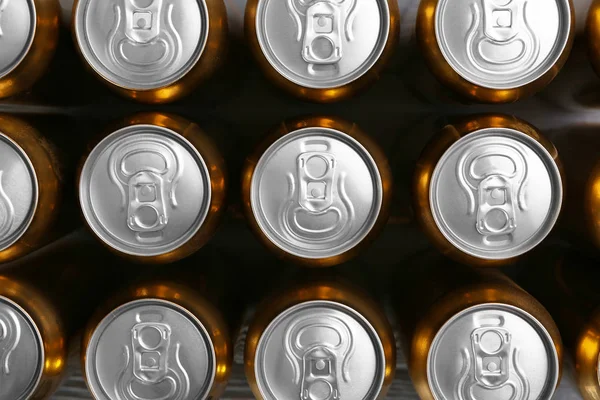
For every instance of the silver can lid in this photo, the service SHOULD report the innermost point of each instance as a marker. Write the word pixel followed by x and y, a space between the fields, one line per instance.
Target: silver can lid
pixel 145 190
pixel 18 22
pixel 18 192
pixel 320 350
pixel 142 44
pixel 502 44
pixel 316 193
pixel 322 44
pixel 150 349
pixel 496 193
pixel 492 352
pixel 21 352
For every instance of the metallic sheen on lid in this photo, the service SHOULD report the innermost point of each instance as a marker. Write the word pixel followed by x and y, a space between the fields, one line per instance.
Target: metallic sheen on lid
pixel 141 44
pixel 502 44
pixel 18 192
pixel 316 193
pixel 496 193
pixel 17 29
pixel 493 352
pixel 322 44
pixel 150 349
pixel 320 350
pixel 145 190
pixel 21 352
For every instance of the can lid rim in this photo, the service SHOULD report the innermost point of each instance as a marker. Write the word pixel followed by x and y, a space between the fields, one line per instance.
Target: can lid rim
pixel 279 66
pixel 91 372
pixel 94 221
pixel 347 310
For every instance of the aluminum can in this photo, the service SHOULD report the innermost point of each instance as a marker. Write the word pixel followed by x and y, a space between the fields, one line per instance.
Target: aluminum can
pixel 495 51
pixel 33 342
pixel 153 190
pixel 563 280
pixel 322 51
pixel 320 341
pixel 473 334
pixel 579 148
pixel 488 189
pixel 157 340
pixel 154 51
pixel 316 191
pixel 29 35
pixel 30 188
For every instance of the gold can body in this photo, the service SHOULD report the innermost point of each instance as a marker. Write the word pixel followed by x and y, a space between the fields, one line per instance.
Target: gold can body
pixel 428 161
pixel 211 59
pixel 47 168
pixel 593 34
pixel 329 123
pixel 320 290
pixel 443 71
pixel 325 95
pixel 215 165
pixel 190 300
pixel 40 53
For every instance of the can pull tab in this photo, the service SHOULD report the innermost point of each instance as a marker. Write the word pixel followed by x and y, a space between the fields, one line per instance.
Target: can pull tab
pixel 319 376
pixel 316 173
pixel 496 214
pixel 142 24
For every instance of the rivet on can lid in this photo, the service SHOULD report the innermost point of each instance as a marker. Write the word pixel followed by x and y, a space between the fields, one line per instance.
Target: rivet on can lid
pixel 21 352
pixel 320 350
pixel 18 192
pixel 500 44
pixel 142 44
pixel 17 30
pixel 322 44
pixel 316 193
pixel 145 190
pixel 493 351
pixel 496 193
pixel 150 349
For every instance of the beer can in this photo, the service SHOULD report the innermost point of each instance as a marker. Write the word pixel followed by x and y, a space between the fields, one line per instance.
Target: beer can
pixel 29 35
pixel 488 189
pixel 30 188
pixel 162 339
pixel 320 341
pixel 151 51
pixel 563 280
pixel 495 51
pixel 322 51
pixel 33 342
pixel 474 334
pixel 153 190
pixel 317 191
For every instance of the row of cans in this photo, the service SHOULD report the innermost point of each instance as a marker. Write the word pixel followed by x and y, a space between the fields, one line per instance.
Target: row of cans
pixel 468 334
pixel 321 50
pixel 316 191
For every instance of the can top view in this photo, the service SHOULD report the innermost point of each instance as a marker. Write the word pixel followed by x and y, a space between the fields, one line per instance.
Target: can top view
pixel 153 51
pixel 316 190
pixel 320 342
pixel 322 50
pixel 148 347
pixel 488 190
pixel 490 350
pixel 153 190
pixel 28 36
pixel 496 51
